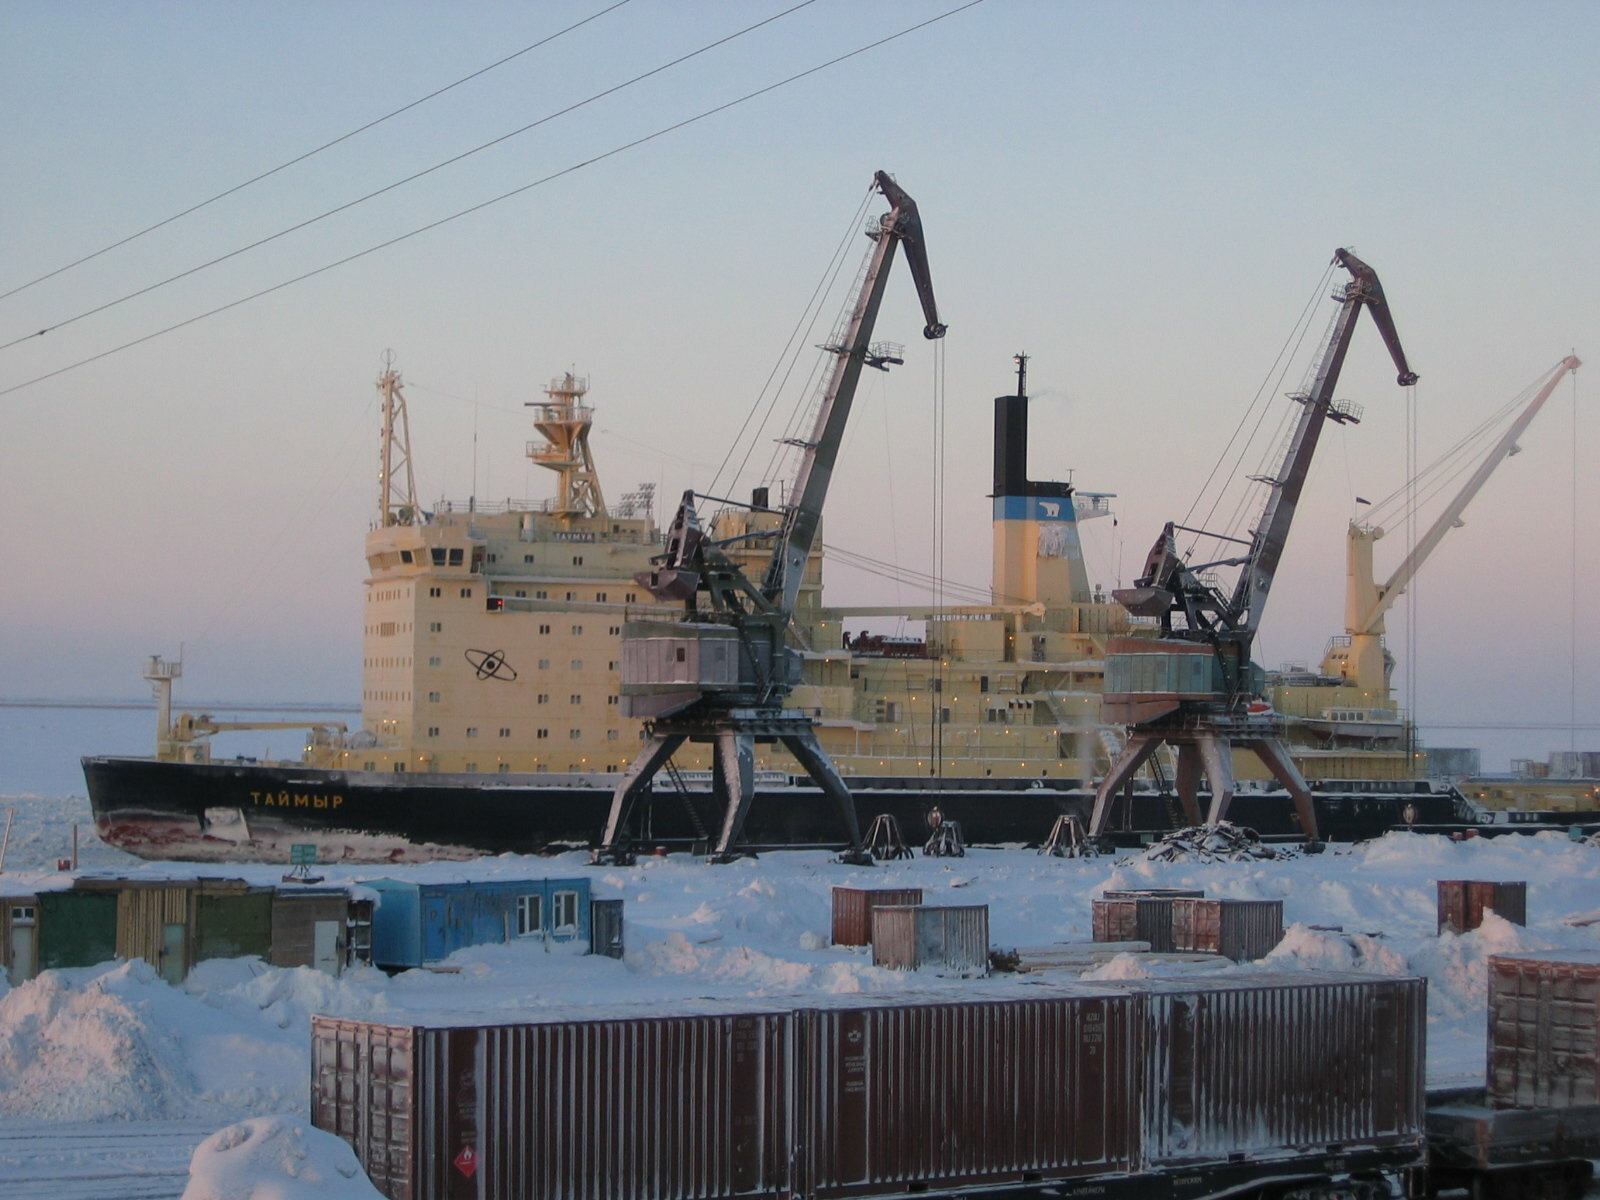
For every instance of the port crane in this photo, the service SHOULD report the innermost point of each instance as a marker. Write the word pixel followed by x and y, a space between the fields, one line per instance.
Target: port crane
pixel 1359 657
pixel 1191 687
pixel 722 673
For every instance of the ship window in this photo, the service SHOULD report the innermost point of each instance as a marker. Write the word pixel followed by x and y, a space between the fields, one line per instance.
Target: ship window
pixel 983 683
pixel 574 734
pixel 612 735
pixel 681 654
pixel 455 556
pixel 612 665
pixel 504 768
pixel 472 767
pixel 630 597
pixel 543 733
pixel 523 592
pixel 577 664
pixel 472 731
pixel 466 593
pixel 615 630
pixel 575 698
pixel 438 556
pixel 405 556
pixel 541 594
pixel 494 558
pixel 544 697
pixel 544 629
pixel 577 629
pixel 399 766
pixel 435 591
pixel 435 627
pixel 370 766
pixel 944 716
pixel 577 560
pixel 564 912
pixel 572 595
pixel 527 558
pixel 433 660
pixel 505 731
pixel 544 664
pixel 433 731
pixel 529 914
pixel 600 597
pixel 611 699
pixel 21 913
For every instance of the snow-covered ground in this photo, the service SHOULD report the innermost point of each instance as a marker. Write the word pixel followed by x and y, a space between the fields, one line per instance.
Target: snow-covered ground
pixel 145 1070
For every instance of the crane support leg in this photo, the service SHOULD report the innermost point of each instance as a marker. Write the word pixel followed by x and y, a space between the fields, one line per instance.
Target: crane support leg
pixel 1139 748
pixel 809 754
pixel 733 781
pixel 1218 757
pixel 1272 752
pixel 1188 782
pixel 639 774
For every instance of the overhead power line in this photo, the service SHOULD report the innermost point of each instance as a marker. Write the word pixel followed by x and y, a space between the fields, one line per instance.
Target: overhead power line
pixel 439 166
pixel 300 158
pixel 527 187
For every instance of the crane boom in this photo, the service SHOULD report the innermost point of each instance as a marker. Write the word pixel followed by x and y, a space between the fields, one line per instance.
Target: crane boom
pixel 1317 406
pixel 1370 620
pixel 901 224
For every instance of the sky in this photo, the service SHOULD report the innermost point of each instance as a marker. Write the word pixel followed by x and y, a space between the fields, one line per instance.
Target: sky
pixel 1142 197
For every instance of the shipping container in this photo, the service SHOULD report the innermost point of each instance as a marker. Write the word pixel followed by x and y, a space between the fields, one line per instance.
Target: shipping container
pixel 1272 1063
pixel 1544 1029
pixel 1462 903
pixel 232 923
pixel 1243 930
pixel 1138 916
pixel 949 940
pixel 77 929
pixel 605 928
pixel 418 923
pixel 685 1106
pixel 852 911
pixel 898 1095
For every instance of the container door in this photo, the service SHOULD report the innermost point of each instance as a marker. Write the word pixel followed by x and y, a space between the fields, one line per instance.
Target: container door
pixel 325 946
pixel 437 941
pixel 24 924
pixel 174 961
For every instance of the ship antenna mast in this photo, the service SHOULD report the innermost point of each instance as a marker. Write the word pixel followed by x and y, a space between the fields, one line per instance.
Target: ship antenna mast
pixel 397 487
pixel 565 421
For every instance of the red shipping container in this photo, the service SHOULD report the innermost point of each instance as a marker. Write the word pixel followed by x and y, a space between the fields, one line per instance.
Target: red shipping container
pixel 905 1096
pixel 1243 930
pixel 1462 902
pixel 1544 1029
pixel 852 911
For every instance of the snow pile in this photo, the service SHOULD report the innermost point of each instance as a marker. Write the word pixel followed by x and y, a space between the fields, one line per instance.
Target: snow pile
pixel 118 1042
pixel 276 1158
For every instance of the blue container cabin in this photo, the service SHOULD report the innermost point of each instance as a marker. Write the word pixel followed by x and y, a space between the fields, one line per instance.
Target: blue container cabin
pixel 419 923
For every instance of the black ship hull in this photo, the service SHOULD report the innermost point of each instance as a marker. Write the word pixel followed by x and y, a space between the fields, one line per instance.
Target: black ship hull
pixel 253 812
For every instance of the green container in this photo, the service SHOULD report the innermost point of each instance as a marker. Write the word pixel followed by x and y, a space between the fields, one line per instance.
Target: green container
pixel 233 926
pixel 77 929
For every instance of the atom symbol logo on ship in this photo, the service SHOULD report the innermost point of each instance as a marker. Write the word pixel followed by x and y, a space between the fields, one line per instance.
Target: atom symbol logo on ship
pixel 491 664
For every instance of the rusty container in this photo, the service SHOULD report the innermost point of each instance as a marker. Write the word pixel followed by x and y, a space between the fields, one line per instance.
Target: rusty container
pixel 1544 1029
pixel 894 1096
pixel 949 940
pixel 1243 930
pixel 1138 916
pixel 666 1107
pixel 1274 1063
pixel 852 911
pixel 1462 902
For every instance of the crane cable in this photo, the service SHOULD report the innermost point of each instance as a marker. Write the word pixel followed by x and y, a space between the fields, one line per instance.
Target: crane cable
pixel 343 137
pixel 527 187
